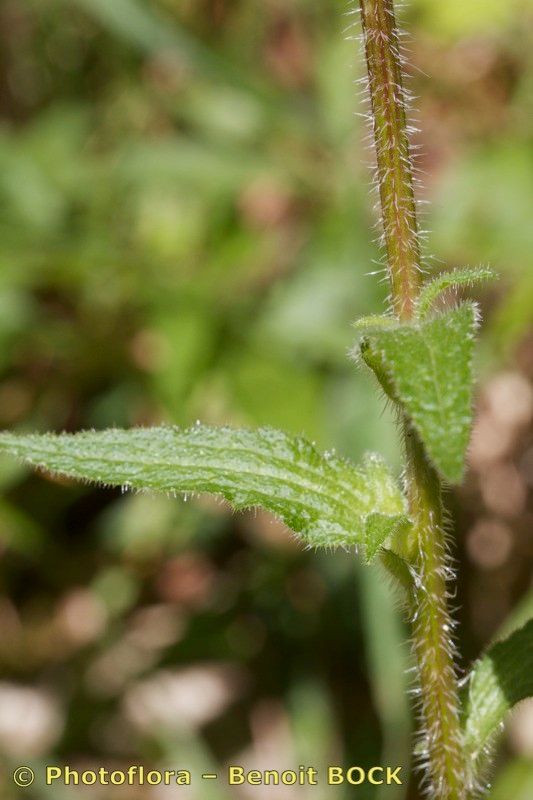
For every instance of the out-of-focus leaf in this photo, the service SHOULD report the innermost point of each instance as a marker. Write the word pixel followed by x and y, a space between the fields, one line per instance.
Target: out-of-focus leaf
pixel 147 525
pixel 186 339
pixel 18 531
pixel 143 27
pixel 324 498
pixel 515 781
pixel 499 679
pixel 189 164
pixel 477 223
pixel 512 319
pixel 427 369
pixel 151 33
pixel 117 589
pixel 518 617
pixel 452 19
pixel 387 666
pixel 275 391
pixel 312 723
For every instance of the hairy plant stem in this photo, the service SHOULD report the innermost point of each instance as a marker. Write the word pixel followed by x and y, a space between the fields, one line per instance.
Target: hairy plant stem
pixel 441 749
pixel 445 776
pixel 394 168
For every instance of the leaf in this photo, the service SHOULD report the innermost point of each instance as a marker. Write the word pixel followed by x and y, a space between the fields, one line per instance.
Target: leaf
pixel 521 613
pixel 427 369
pixel 514 781
pixel 322 497
pixel 398 568
pixel 375 321
pixel 498 680
pixel 447 280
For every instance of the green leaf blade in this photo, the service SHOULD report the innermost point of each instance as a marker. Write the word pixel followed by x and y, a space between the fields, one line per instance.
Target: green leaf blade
pixel 433 289
pixel 502 677
pixel 322 497
pixel 427 369
pixel 375 322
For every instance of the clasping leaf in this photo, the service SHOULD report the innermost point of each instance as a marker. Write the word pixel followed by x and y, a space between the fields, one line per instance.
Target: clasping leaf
pixel 426 368
pixel 322 497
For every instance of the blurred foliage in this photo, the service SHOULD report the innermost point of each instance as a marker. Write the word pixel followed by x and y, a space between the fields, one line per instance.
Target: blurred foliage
pixel 186 232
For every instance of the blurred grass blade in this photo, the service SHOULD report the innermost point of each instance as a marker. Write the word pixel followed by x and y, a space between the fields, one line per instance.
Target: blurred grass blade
pixel 498 680
pixel 387 671
pixel 515 781
pixel 143 27
pixel 150 32
pixel 324 498
pixel 517 618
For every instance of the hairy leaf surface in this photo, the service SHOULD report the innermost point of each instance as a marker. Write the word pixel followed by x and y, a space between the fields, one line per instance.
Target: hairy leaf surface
pixel 375 321
pixel 498 680
pixel 431 291
pixel 427 368
pixel 322 497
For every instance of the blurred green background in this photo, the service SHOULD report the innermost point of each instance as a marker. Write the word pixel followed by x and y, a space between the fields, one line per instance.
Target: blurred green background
pixel 186 232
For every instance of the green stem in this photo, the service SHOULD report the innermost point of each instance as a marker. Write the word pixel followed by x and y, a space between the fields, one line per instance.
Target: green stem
pixel 394 167
pixel 432 631
pixel 431 622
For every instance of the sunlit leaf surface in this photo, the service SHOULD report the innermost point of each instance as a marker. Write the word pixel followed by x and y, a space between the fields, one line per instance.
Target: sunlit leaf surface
pixel 427 369
pixel 322 497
